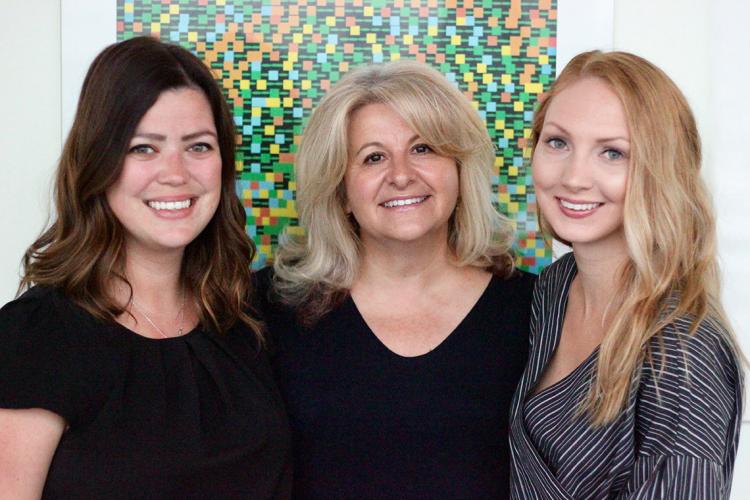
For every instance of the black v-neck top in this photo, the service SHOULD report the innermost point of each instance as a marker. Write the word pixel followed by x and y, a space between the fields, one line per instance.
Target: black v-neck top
pixel 196 416
pixel 369 423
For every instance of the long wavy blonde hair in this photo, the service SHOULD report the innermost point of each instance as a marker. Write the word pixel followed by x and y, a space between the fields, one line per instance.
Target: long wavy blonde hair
pixel 668 222
pixel 316 270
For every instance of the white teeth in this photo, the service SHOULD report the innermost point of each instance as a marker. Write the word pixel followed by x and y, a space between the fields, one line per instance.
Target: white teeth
pixel 401 203
pixel 170 205
pixel 579 206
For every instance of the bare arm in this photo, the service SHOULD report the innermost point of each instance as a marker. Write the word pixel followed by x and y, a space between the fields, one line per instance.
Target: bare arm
pixel 28 439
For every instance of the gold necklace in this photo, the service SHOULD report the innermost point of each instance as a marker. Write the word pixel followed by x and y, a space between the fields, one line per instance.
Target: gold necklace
pixel 180 316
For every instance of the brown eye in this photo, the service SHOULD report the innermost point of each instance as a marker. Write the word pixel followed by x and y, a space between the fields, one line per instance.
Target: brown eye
pixel 201 147
pixel 374 158
pixel 422 149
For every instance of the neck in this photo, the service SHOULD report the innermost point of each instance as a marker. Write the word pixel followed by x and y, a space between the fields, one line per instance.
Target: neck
pixel 155 279
pixel 598 272
pixel 418 264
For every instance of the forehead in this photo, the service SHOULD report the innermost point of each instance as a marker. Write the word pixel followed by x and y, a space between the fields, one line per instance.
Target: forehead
pixel 379 120
pixel 180 107
pixel 589 103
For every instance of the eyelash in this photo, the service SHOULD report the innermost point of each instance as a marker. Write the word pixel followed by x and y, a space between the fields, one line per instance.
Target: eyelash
pixel 139 148
pixel 135 149
pixel 551 140
pixel 620 154
pixel 370 157
pixel 207 147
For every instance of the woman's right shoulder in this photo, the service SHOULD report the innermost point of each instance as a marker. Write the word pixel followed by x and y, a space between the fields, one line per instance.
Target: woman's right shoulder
pixel 38 303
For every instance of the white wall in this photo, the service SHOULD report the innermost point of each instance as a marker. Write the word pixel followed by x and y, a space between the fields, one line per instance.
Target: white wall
pixel 699 43
pixel 702 45
pixel 29 127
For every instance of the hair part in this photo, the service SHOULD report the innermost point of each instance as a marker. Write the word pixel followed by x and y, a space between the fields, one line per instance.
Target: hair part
pixel 314 272
pixel 669 225
pixel 83 250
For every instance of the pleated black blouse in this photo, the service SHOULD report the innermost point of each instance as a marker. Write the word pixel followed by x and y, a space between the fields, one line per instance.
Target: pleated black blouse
pixel 677 437
pixel 196 416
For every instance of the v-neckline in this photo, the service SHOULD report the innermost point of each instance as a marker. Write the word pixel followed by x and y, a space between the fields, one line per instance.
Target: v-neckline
pixel 359 318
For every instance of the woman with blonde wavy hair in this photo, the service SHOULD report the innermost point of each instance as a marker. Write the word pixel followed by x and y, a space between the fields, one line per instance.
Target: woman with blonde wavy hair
pixel 633 387
pixel 130 367
pixel 399 320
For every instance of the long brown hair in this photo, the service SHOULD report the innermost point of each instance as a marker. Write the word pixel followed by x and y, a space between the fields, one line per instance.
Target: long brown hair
pixel 83 250
pixel 668 222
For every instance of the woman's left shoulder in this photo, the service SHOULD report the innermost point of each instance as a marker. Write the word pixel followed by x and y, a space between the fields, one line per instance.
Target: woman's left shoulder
pixel 691 387
pixel 705 350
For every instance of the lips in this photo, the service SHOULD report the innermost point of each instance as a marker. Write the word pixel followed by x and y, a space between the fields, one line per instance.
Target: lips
pixel 578 208
pixel 403 202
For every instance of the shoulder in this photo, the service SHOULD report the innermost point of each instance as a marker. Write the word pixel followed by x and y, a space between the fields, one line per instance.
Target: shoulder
pixel 691 388
pixel 40 308
pixel 53 354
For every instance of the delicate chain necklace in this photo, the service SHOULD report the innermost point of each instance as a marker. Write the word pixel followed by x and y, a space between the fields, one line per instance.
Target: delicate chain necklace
pixel 180 316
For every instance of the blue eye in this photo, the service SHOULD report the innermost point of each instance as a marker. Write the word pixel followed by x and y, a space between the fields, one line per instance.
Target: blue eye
pixel 614 154
pixel 556 143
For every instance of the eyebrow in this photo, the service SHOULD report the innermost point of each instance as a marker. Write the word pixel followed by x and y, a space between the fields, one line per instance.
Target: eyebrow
pixel 379 144
pixel 603 139
pixel 160 137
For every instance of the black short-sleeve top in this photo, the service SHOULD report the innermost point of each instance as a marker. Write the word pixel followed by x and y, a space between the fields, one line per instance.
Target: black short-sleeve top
pixel 368 423
pixel 195 416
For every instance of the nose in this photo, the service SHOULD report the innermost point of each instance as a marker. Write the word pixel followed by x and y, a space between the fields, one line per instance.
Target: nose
pixel 577 173
pixel 400 172
pixel 173 171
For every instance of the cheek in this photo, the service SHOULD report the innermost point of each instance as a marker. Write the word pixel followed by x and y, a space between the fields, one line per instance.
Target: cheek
pixel 614 187
pixel 209 176
pixel 542 173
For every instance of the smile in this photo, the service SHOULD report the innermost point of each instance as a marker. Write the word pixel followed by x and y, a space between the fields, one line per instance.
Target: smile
pixel 578 207
pixel 404 202
pixel 170 205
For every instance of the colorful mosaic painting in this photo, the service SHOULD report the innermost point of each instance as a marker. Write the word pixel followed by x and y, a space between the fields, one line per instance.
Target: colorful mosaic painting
pixel 276 58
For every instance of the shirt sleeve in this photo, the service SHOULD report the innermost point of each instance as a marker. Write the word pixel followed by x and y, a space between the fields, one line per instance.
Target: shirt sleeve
pixel 689 416
pixel 49 358
pixel 677 477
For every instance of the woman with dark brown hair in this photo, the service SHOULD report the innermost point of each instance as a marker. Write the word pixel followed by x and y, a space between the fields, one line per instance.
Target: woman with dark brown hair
pixel 129 367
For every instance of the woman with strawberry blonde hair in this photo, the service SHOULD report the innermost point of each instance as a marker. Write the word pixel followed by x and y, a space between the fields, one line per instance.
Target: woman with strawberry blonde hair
pixel 633 387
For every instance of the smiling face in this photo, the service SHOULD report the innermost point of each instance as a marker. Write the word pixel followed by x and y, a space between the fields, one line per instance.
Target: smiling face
pixel 170 184
pixel 397 188
pixel 580 164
